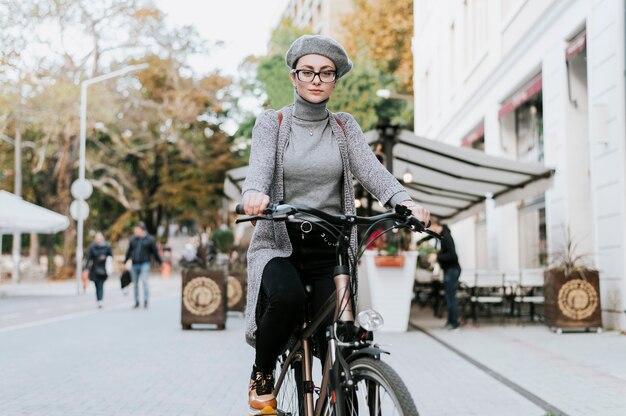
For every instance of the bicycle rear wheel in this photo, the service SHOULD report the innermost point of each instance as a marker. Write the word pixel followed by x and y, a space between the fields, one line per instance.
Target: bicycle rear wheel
pixel 378 390
pixel 290 396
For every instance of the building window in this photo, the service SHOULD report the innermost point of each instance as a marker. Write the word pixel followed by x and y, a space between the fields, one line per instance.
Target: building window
pixel 475 30
pixel 532 233
pixel 451 58
pixel 479 144
pixel 529 130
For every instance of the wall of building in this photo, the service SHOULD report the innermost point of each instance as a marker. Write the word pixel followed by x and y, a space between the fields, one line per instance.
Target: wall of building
pixel 584 142
pixel 607 132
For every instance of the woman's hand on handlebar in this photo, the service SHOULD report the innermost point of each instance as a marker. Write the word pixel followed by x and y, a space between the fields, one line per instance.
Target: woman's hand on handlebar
pixel 418 211
pixel 254 203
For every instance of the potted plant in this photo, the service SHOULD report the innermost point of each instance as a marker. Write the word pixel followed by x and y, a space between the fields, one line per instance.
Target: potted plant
pixel 572 291
pixel 388 247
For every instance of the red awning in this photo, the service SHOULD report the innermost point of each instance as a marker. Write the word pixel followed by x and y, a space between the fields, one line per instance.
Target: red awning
pixel 576 46
pixel 520 97
pixel 476 134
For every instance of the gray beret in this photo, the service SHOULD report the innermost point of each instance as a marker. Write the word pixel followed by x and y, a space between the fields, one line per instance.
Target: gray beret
pixel 319 45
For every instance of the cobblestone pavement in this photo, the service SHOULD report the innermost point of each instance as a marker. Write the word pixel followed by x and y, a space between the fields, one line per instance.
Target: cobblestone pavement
pixel 120 361
pixel 577 373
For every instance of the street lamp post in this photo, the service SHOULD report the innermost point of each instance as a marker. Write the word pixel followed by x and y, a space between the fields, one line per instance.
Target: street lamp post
pixel 388 133
pixel 81 163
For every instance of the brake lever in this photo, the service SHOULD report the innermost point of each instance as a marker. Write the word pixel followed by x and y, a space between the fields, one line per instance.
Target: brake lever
pixel 282 215
pixel 252 218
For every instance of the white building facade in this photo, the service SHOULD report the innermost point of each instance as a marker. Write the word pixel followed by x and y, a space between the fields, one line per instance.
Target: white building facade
pixel 540 81
pixel 323 17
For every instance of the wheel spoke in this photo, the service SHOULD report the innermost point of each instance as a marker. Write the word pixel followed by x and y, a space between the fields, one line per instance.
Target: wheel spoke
pixel 378 391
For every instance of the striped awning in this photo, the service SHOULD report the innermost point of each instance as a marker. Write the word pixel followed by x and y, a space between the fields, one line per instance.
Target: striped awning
pixel 452 182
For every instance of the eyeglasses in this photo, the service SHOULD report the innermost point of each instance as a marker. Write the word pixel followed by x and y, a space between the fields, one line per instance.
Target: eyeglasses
pixel 306 75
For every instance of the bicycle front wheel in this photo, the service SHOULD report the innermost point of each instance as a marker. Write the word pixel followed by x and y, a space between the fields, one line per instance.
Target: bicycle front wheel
pixel 378 390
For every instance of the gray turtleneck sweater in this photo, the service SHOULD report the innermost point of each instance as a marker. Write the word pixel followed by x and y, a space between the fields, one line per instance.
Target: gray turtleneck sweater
pixel 312 152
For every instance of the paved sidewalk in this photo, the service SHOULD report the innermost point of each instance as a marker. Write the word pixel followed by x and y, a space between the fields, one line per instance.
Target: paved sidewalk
pixel 32 301
pixel 577 373
pixel 120 361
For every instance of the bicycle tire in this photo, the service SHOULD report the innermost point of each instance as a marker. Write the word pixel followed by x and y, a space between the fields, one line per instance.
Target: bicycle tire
pixel 374 376
pixel 290 396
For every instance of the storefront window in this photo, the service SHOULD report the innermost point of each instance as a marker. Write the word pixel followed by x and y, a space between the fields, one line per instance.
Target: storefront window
pixel 532 234
pixel 532 215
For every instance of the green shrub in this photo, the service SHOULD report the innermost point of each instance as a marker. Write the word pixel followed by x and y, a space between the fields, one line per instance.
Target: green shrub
pixel 223 240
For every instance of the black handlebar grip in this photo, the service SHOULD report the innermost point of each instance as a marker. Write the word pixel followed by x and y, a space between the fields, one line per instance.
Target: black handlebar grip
pixel 239 209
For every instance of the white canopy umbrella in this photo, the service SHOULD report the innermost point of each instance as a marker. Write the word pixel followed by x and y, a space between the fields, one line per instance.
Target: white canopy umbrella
pixel 19 216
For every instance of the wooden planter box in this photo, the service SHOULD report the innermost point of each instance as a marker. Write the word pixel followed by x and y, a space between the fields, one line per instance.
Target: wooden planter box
pixel 203 297
pixel 237 283
pixel 572 302
pixel 389 261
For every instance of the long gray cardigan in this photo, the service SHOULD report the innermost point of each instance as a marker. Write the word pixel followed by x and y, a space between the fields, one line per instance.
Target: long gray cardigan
pixel 265 174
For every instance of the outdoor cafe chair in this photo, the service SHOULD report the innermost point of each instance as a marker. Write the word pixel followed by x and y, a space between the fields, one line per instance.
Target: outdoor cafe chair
pixel 529 291
pixel 427 289
pixel 488 291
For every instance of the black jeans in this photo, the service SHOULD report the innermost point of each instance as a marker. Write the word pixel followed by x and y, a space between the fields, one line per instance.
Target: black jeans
pixel 99 288
pixel 450 283
pixel 283 288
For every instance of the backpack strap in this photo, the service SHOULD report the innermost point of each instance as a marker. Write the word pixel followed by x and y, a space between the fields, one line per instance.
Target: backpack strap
pixel 337 119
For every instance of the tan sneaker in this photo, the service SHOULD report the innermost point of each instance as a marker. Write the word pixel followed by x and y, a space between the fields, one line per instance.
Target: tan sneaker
pixel 260 397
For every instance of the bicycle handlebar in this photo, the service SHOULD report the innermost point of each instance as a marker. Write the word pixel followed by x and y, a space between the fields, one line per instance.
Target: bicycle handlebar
pixel 284 212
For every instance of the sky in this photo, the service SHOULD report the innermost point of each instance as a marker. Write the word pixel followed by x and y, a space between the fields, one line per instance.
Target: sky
pixel 243 25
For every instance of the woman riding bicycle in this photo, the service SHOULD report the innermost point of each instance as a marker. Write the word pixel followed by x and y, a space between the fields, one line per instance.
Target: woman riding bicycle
pixel 303 154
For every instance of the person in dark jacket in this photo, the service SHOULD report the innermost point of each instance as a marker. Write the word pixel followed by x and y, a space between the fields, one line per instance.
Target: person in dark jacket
pixel 449 262
pixel 96 261
pixel 141 248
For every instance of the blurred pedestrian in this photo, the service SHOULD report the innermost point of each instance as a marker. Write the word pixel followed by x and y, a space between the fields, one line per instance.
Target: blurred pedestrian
pixel 449 262
pixel 141 248
pixel 98 263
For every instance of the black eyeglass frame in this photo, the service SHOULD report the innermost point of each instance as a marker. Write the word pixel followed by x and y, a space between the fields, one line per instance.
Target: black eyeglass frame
pixel 315 74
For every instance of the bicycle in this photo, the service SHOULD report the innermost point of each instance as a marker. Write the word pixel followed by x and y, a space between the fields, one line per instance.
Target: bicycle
pixel 354 379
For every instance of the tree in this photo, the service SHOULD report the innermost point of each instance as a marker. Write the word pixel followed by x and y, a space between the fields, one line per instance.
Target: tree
pixel 380 32
pixel 169 137
pixel 356 94
pixel 137 126
pixel 272 75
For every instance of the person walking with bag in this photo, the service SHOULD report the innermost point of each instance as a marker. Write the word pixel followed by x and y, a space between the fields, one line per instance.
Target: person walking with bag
pixel 99 263
pixel 302 154
pixel 141 248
